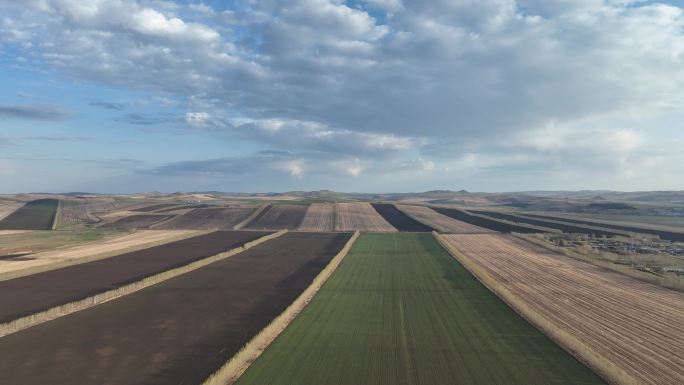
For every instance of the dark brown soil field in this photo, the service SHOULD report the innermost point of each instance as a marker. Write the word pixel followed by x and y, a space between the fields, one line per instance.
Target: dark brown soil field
pixel 215 218
pixel 135 222
pixel 484 222
pixel 398 219
pixel 34 215
pixel 177 332
pixel 279 217
pixel 667 235
pixel 551 225
pixel 148 209
pixel 34 293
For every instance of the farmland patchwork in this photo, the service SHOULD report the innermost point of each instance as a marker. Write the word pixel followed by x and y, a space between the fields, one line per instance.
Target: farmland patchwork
pixel 178 331
pixel 400 310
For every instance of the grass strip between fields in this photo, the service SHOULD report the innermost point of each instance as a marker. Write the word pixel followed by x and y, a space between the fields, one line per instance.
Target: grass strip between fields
pixel 58 215
pixel 600 364
pixel 237 365
pixel 62 310
pixel 251 217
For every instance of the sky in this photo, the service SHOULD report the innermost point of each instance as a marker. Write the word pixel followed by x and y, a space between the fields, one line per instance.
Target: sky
pixel 125 96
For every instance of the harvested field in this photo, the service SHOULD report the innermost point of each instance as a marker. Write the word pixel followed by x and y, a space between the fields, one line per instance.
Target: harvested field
pixel 629 330
pixel 440 222
pixel 486 223
pixel 104 244
pixel 186 207
pixel 566 228
pixel 398 219
pixel 214 218
pixel 75 210
pixel 38 292
pixel 319 217
pixel 278 217
pixel 667 235
pixel 34 215
pixel 135 222
pixel 177 332
pixel 360 216
pixel 156 207
pixel 7 209
pixel 400 310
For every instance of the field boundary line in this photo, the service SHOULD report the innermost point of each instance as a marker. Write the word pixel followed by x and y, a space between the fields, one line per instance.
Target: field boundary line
pixel 560 222
pixel 58 215
pixel 154 226
pixel 504 221
pixel 240 362
pixel 251 216
pixel 72 307
pixel 605 368
pixel 336 214
pixel 95 257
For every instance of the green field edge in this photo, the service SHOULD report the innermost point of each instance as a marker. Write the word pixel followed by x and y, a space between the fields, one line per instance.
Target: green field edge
pixel 401 310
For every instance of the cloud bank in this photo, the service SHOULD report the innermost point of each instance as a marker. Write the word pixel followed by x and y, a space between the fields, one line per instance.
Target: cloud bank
pixel 435 92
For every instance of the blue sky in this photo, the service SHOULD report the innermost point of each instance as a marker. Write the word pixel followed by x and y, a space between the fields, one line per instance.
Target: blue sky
pixel 379 95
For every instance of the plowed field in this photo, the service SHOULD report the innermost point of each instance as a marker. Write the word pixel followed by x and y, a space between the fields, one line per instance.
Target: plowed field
pixel 155 207
pixel 319 217
pixel 101 246
pixel 398 219
pixel 360 216
pixel 440 222
pixel 211 218
pixel 637 326
pixel 135 222
pixel 7 209
pixel 484 222
pixel 567 228
pixel 34 215
pixel 34 293
pixel 668 235
pixel 278 217
pixel 176 332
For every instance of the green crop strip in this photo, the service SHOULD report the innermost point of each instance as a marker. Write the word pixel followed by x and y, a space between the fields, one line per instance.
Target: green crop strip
pixel 401 310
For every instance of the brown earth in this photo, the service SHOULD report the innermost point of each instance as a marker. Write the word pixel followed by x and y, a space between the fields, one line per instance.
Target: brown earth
pixel 440 222
pixel 360 216
pixel 155 207
pixel 31 294
pixel 663 232
pixel 319 217
pixel 277 217
pixel 135 222
pixel 564 227
pixel 125 243
pixel 399 220
pixel 82 210
pixel 208 218
pixel 177 332
pixel 635 325
pixel 7 209
pixel 38 214
pixel 486 222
